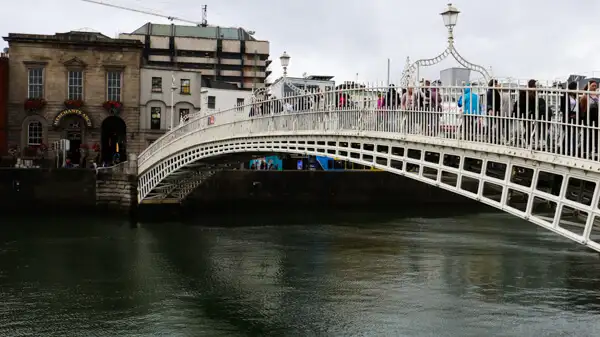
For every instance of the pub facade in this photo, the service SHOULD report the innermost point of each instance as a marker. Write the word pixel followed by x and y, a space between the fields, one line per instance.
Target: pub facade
pixel 80 86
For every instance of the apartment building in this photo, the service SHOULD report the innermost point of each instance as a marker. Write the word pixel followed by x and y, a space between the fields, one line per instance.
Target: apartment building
pixel 168 96
pixel 222 54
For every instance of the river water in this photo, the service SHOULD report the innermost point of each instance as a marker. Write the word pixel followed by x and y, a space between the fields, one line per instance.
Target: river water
pixel 345 275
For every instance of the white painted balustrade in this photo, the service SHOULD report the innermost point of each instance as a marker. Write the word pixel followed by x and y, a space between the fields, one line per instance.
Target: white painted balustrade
pixel 535 124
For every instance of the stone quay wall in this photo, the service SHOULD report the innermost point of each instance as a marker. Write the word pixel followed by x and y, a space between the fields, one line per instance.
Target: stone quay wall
pixel 31 191
pixel 313 190
pixel 67 191
pixel 116 192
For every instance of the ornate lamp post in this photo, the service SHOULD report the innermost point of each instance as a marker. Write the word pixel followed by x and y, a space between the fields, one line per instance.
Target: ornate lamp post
pixel 285 62
pixel 450 17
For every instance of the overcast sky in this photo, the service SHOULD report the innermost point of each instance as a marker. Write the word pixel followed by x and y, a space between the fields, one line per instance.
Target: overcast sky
pixel 542 39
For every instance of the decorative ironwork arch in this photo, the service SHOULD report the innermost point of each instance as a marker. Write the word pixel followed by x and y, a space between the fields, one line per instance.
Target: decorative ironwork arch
pixel 261 94
pixel 409 73
pixel 410 70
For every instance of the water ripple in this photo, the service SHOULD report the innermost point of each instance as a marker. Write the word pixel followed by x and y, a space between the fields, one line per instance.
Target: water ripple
pixel 479 275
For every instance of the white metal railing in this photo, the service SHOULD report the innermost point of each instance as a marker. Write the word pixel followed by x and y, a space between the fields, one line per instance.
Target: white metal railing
pixel 549 120
pixel 126 167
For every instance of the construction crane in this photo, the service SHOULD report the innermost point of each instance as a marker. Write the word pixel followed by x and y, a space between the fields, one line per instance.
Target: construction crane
pixel 204 22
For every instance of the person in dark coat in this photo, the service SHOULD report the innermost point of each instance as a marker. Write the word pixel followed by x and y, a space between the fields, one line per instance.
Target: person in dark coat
pixel 493 102
pixel 392 98
pixel 569 109
pixel 531 110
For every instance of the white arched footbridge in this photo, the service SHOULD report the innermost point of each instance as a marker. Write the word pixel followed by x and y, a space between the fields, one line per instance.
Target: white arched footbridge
pixel 545 171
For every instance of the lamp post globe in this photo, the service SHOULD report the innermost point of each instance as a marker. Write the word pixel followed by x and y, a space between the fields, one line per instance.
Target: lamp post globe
pixel 285 59
pixel 285 62
pixel 450 16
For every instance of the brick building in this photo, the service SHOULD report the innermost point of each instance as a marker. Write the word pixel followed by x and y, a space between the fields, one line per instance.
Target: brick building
pixel 3 103
pixel 81 86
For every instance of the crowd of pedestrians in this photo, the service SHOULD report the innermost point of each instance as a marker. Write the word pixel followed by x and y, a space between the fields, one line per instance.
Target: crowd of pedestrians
pixel 562 117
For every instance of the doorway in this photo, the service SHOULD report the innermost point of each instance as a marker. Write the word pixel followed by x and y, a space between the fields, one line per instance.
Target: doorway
pixel 74 153
pixel 74 131
pixel 113 141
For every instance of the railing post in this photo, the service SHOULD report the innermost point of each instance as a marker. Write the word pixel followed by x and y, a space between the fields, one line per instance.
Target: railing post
pixel 132 163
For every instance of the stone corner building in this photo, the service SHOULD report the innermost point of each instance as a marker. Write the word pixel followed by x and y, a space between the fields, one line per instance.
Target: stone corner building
pixel 64 86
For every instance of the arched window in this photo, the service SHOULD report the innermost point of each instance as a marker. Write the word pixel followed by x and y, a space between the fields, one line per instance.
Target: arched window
pixel 155 118
pixel 34 133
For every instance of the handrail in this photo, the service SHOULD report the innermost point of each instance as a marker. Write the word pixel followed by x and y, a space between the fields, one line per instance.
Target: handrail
pixel 366 99
pixel 122 167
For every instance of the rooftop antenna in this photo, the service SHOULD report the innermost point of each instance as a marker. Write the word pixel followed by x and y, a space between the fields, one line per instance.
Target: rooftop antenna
pixel 204 16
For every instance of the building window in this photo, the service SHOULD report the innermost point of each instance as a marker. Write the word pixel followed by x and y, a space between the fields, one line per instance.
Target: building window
pixel 113 86
pixel 240 104
pixel 34 133
pixel 184 114
pixel 156 84
pixel 75 90
pixel 212 102
pixel 155 118
pixel 185 87
pixel 35 83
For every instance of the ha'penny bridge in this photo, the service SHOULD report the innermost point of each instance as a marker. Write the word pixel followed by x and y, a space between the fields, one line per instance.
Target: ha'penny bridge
pixel 521 153
pixel 545 170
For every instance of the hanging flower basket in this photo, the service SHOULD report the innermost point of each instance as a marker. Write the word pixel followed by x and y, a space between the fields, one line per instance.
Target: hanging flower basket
pixel 30 152
pixel 14 150
pixel 113 107
pixel 34 104
pixel 43 148
pixel 73 103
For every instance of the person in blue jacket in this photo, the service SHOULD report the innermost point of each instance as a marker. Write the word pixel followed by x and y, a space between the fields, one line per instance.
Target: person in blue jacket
pixel 471 110
pixel 470 102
